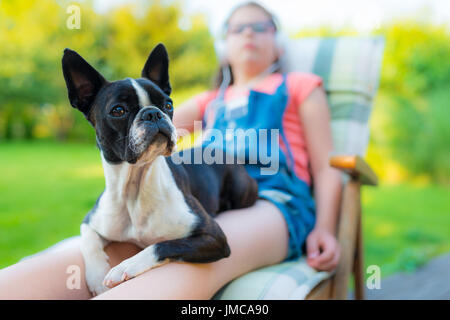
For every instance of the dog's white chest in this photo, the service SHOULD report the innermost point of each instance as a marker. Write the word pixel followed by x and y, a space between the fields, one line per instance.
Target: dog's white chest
pixel 142 207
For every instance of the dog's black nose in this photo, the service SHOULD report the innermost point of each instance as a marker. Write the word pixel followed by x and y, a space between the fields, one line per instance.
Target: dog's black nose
pixel 152 115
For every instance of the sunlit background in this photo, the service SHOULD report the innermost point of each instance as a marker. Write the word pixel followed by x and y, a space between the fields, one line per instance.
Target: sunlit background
pixel 50 170
pixel 295 15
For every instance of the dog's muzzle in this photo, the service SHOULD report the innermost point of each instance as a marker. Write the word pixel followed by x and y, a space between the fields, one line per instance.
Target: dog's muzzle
pixel 152 129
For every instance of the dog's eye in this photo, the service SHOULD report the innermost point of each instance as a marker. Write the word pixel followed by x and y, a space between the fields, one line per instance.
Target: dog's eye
pixel 168 106
pixel 117 111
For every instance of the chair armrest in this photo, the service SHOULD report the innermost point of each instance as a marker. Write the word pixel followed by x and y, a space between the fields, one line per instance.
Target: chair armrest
pixel 356 167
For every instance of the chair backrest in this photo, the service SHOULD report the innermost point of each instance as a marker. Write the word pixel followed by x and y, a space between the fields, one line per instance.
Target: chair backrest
pixel 350 69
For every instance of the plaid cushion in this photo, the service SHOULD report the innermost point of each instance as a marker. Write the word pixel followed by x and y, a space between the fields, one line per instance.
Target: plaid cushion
pixel 290 280
pixel 350 69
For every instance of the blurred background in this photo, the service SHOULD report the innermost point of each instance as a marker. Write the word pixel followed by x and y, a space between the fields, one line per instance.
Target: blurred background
pixel 50 168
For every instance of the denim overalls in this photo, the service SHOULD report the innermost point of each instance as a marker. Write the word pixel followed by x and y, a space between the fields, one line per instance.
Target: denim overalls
pixel 283 188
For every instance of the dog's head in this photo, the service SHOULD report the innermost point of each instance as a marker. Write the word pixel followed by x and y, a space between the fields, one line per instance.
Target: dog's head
pixel 132 117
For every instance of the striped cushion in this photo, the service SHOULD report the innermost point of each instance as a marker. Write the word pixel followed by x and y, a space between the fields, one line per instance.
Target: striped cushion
pixel 350 69
pixel 290 280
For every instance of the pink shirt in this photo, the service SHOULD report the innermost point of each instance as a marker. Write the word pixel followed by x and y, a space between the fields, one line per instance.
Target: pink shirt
pixel 299 85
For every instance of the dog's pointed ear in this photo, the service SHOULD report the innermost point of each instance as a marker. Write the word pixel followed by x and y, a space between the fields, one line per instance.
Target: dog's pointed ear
pixel 82 80
pixel 156 68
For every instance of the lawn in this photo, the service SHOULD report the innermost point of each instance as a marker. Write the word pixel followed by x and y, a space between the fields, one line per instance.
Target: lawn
pixel 46 189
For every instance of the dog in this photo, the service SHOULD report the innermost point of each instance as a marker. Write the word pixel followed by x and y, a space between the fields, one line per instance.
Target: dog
pixel 165 208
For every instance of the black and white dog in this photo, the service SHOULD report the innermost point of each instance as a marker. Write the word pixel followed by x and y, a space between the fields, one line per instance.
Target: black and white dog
pixel 165 208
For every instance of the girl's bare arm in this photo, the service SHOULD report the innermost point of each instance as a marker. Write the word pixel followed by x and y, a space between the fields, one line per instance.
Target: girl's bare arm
pixel 322 246
pixel 185 115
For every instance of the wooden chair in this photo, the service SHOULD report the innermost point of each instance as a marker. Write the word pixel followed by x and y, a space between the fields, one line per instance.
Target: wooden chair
pixel 349 232
pixel 350 68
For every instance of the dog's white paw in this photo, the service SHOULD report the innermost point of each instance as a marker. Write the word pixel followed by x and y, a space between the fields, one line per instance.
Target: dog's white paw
pixel 94 281
pixel 126 270
pixel 95 273
pixel 132 267
pixel 98 288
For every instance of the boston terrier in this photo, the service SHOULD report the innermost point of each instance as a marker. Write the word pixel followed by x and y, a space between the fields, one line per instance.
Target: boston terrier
pixel 164 207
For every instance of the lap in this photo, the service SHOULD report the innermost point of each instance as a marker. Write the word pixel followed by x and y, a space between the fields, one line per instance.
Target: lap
pixel 257 237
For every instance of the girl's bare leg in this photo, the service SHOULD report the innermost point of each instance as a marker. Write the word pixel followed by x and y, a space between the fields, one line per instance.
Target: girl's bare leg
pixel 45 276
pixel 257 236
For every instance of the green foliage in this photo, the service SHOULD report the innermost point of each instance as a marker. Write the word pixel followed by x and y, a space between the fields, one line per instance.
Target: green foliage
pixel 33 97
pixel 421 141
pixel 416 80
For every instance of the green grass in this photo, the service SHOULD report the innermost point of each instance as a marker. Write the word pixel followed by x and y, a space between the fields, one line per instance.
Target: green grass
pixel 46 189
pixel 404 226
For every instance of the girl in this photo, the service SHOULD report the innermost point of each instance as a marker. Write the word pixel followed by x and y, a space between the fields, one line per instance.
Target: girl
pixel 283 222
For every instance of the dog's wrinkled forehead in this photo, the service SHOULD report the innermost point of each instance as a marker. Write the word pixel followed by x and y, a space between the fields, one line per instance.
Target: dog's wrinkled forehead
pixel 135 92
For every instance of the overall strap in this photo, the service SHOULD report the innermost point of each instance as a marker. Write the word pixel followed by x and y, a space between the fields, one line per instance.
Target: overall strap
pixel 290 157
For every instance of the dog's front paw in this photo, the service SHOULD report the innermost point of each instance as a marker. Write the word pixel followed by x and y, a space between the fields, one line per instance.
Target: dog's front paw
pixel 96 269
pixel 94 279
pixel 124 271
pixel 132 267
pixel 97 289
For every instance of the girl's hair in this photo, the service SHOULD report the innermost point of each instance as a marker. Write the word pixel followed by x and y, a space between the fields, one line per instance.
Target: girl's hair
pixel 217 80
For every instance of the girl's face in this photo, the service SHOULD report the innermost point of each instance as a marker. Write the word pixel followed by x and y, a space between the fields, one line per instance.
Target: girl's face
pixel 250 40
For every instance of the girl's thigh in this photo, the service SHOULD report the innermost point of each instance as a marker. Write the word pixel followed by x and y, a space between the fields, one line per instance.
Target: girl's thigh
pixel 55 274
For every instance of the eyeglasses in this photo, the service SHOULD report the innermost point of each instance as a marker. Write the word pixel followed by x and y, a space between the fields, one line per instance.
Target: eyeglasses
pixel 258 27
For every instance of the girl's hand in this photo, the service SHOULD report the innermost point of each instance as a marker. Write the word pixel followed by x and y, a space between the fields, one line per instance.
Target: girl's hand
pixel 323 250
